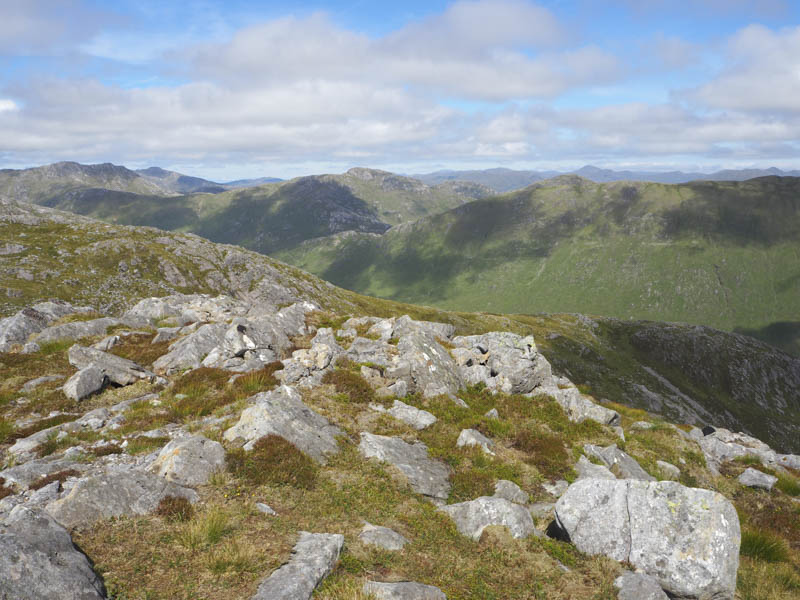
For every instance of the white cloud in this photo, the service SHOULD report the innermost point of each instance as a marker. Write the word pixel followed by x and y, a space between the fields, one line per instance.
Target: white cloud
pixel 7 105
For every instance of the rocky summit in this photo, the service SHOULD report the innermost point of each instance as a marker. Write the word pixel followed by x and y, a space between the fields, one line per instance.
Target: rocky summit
pixel 277 440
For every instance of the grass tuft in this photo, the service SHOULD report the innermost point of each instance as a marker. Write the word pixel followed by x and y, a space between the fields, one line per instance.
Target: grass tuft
pixel 175 508
pixel 273 460
pixel 545 451
pixel 351 384
pixel 788 485
pixel 765 546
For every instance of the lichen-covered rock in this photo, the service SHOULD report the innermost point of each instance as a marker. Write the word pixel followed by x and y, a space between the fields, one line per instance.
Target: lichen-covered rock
pixel 403 590
pixel 638 586
pixel 472 517
pixel 75 330
pixel 189 352
pixel 383 537
pixel 282 412
pixel 39 561
pixel 510 491
pixel 114 493
pixel 757 479
pixel 668 470
pixel 589 470
pixel 431 369
pixel 579 408
pixel 313 558
pixel 117 369
pixel 687 538
pixel 722 445
pixel 84 383
pixel 426 476
pixel 17 328
pixel 189 461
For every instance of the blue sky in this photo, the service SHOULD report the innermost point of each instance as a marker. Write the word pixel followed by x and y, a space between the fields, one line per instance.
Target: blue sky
pixel 239 89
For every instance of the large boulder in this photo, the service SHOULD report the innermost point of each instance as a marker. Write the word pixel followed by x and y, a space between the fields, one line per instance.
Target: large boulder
pixel 588 470
pixel 472 517
pixel 16 329
pixel 282 412
pixel 757 479
pixel 117 369
pixel 115 493
pixel 503 361
pixel 38 561
pixel 579 408
pixel 426 476
pixel 189 461
pixel 410 415
pixel 313 558
pixel 75 330
pixel 687 538
pixel 189 352
pixel 84 383
pixel 431 369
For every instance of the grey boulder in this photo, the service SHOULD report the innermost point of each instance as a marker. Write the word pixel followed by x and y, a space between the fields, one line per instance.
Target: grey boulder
pixel 84 383
pixel 38 561
pixel 472 517
pixel 510 491
pixel 189 352
pixel 425 475
pixel 282 412
pixel 431 369
pixel 473 437
pixel 589 470
pixel 757 479
pixel 403 590
pixel 189 461
pixel 638 586
pixel 687 538
pixel 579 408
pixel 618 462
pixel 410 415
pixel 313 558
pixel 114 493
pixel 117 369
pixel 383 537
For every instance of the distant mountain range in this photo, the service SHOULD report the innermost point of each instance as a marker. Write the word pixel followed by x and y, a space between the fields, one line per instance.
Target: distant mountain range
pixel 506 180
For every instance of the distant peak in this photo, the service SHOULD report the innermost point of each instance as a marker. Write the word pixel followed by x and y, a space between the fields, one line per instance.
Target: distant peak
pixel 366 173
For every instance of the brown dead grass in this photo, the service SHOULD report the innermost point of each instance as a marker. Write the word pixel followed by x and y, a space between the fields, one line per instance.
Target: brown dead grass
pixel 140 349
pixel 60 477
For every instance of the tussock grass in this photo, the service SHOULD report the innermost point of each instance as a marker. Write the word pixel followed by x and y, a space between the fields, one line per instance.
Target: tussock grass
pixel 788 485
pixel 140 349
pixel 206 529
pixel 765 546
pixel 352 385
pixel 175 508
pixel 272 460
pixel 141 444
pixel 6 430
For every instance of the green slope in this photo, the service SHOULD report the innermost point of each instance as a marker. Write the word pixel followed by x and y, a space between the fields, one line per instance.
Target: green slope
pixel 724 254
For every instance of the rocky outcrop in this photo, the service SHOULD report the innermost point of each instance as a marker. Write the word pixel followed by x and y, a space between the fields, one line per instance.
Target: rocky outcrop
pixel 189 461
pixel 114 493
pixel 579 408
pixel 189 352
pixel 16 329
pixel 38 560
pixel 410 415
pixel 589 470
pixel 313 558
pixel 618 462
pixel 282 412
pixel 472 517
pixel 74 331
pixel 425 475
pixel 118 370
pixel 757 479
pixel 688 539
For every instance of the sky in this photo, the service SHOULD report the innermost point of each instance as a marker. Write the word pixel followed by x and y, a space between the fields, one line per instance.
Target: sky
pixel 234 89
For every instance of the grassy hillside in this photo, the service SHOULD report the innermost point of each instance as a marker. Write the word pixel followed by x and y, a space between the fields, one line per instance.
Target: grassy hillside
pixel 724 254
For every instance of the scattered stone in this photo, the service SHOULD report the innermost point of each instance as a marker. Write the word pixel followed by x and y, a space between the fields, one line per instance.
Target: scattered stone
pixel 282 412
pixel 189 461
pixel 107 343
pixel 621 464
pixel 472 517
pixel 114 493
pixel 117 369
pixel 617 429
pixel 38 560
pixel 403 590
pixel 425 475
pixel 757 479
pixel 313 558
pixel 383 537
pixel 266 509
pixel 84 383
pixel 641 426
pixel 668 470
pixel 492 414
pixel 638 586
pixel 410 415
pixel 687 538
pixel 34 383
pixel 588 470
pixel 557 488
pixel 399 389
pixel 510 491
pixel 473 437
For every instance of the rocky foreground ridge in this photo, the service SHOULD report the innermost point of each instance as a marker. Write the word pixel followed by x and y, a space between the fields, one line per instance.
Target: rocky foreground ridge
pixel 204 446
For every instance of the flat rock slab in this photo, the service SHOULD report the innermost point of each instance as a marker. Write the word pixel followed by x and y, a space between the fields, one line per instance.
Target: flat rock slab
pixel 282 412
pixel 84 383
pixel 39 561
pixel 313 558
pixel 189 461
pixel 638 586
pixel 76 330
pixel 34 383
pixel 589 470
pixel 403 590
pixel 757 479
pixel 114 494
pixel 472 517
pixel 383 537
pixel 410 415
pixel 118 370
pixel 618 462
pixel 425 475
pixel 579 408
pixel 29 472
pixel 687 538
